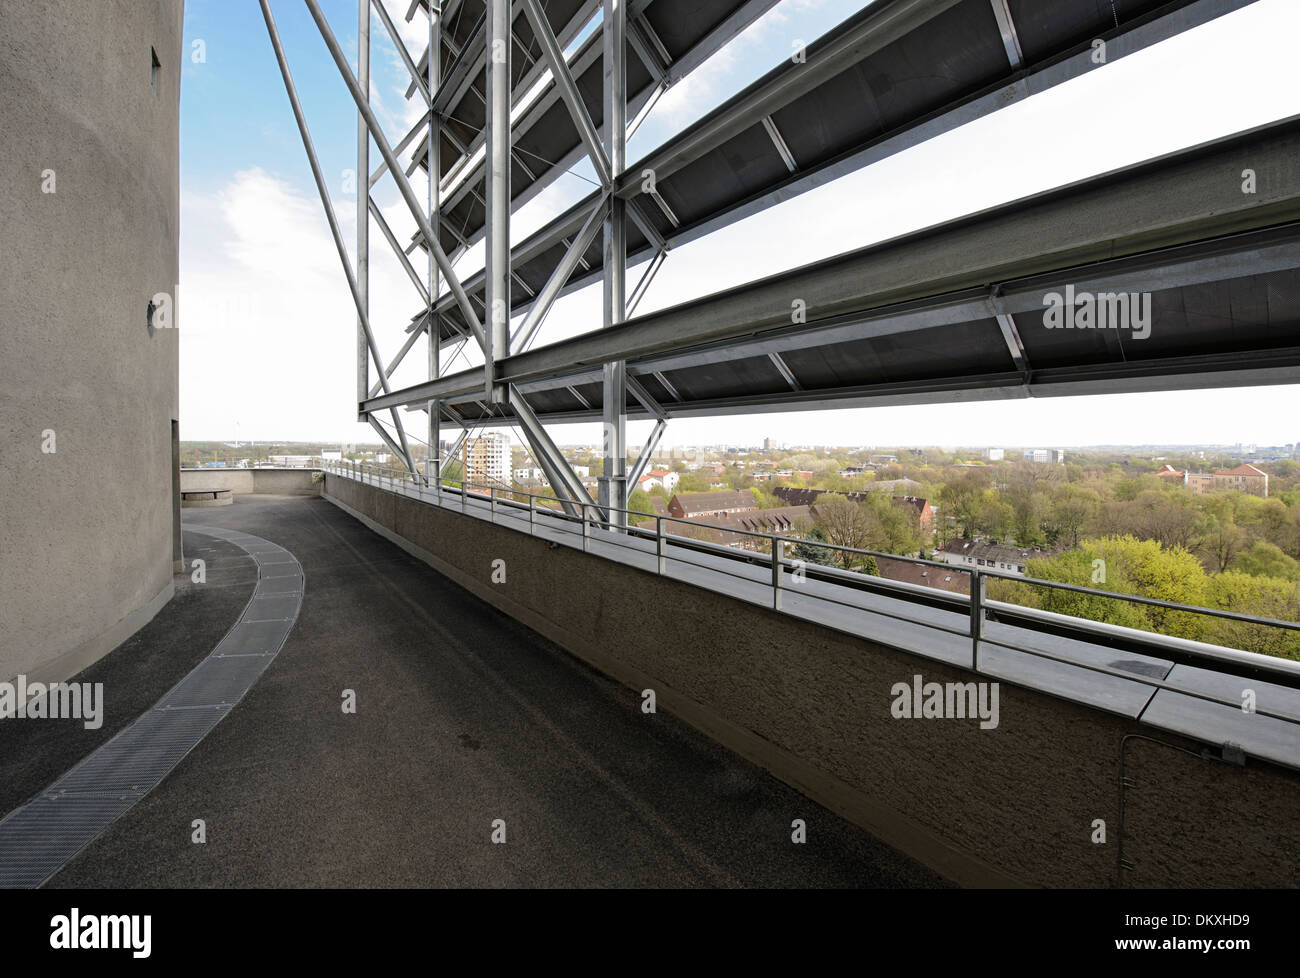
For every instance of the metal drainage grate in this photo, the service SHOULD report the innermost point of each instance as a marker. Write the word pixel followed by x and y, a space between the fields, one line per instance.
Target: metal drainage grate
pixel 38 839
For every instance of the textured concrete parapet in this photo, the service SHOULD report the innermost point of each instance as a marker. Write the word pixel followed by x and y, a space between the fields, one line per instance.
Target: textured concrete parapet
pixel 195 498
pixel 280 482
pixel 1018 804
pixel 88 386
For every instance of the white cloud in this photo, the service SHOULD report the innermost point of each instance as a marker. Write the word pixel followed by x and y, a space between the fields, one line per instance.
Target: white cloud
pixel 267 320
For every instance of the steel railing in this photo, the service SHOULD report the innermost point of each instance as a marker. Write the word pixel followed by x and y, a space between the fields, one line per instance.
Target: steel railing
pixel 786 573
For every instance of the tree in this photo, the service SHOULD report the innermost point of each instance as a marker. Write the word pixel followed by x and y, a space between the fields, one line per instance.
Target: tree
pixel 994 517
pixel 810 553
pixel 844 522
pixel 1221 540
pixel 1072 509
pixel 452 473
pixel 764 499
pixel 1264 597
pixel 1124 565
pixel 1170 517
pixel 961 499
pixel 892 528
pixel 1266 559
pixel 639 502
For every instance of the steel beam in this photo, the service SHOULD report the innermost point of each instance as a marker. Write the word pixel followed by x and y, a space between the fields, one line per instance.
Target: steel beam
pixel 647 452
pixel 563 79
pixel 366 341
pixel 641 394
pixel 740 18
pixel 376 387
pixel 780 87
pixel 363 220
pixel 537 311
pixel 548 455
pixel 1007 27
pixel 778 141
pixel 786 373
pixel 496 290
pixel 1172 222
pixel 732 117
pixel 404 54
pixel 647 277
pixel 433 151
pixel 613 480
pixel 400 450
pixel 411 135
pixel 397 250
pixel 421 219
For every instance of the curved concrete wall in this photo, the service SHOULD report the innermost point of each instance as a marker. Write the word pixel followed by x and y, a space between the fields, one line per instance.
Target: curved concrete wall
pixel 89 167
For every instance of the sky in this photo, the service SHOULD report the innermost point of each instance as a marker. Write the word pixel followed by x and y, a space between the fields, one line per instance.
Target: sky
pixel 267 324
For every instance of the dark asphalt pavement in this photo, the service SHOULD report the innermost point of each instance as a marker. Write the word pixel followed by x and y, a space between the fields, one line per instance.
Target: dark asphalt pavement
pixel 136 674
pixel 463 717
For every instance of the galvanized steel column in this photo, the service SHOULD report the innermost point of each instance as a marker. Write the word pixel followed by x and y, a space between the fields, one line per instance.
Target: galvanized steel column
pixel 496 293
pixel 613 481
pixel 433 157
pixel 363 207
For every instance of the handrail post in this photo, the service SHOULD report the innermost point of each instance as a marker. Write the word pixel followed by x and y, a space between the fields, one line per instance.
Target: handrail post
pixel 661 546
pixel 778 547
pixel 532 515
pixel 586 528
pixel 464 488
pixel 976 615
pixel 492 502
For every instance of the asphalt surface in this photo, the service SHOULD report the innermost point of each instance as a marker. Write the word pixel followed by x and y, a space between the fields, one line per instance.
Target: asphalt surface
pixel 464 717
pixel 136 674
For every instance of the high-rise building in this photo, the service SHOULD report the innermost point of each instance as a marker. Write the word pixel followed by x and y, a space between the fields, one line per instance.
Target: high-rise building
pixel 487 459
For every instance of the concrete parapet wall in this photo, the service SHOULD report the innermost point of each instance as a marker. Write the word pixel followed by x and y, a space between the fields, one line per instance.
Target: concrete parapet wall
pixel 280 482
pixel 1014 805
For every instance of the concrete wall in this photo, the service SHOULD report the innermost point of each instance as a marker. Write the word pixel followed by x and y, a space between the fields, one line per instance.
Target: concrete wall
pixel 86 531
pixel 1008 806
pixel 281 482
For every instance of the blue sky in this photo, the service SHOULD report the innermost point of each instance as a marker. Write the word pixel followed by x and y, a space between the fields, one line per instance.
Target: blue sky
pixel 267 325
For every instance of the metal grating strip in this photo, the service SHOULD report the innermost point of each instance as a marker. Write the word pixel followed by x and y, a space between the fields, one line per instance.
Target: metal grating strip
pixel 38 838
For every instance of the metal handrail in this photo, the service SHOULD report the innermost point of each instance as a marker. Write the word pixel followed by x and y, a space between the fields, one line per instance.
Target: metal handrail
pixel 976 604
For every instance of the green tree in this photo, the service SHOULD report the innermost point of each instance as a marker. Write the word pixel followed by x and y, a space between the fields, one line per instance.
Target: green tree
pixel 1073 508
pixel 639 502
pixel 892 528
pixel 845 524
pixel 1124 565
pixel 1264 597
pixel 961 499
pixel 810 553
pixel 1266 559
pixel 1221 538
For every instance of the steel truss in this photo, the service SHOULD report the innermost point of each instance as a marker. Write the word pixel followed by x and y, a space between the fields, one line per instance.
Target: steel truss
pixel 488 51
pixel 499 75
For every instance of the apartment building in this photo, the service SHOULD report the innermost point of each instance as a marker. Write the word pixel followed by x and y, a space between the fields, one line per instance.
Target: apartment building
pixel 994 556
pixel 487 459
pixel 702 505
pixel 1243 478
